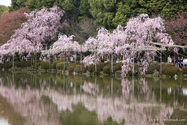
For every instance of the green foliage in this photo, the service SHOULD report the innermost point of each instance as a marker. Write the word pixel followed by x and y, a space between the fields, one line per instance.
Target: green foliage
pixel 122 14
pixel 108 13
pixel 44 65
pixel 9 65
pixel 78 68
pixel 117 67
pixel 71 67
pixel 1 65
pixel 184 70
pixel 166 67
pixel 91 68
pixel 60 66
pixel 47 3
pixel 150 69
pixel 111 122
pixel 107 69
pixel 26 63
pixel 100 67
pixel 172 71
pixel 157 66
pixel 68 5
pixel 84 8
pixel 18 64
pixel 3 8
pixel 22 64
pixel 54 65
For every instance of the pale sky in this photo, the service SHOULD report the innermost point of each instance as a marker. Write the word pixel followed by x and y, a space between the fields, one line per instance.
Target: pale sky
pixel 5 2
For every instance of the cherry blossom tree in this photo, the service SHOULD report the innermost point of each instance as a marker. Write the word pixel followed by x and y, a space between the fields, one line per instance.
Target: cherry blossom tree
pixel 41 27
pixel 139 31
pixel 64 44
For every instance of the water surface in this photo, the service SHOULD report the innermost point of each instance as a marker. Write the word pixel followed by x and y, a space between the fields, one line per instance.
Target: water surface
pixel 54 99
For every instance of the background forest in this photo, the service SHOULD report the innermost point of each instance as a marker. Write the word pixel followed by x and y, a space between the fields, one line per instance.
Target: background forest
pixel 85 16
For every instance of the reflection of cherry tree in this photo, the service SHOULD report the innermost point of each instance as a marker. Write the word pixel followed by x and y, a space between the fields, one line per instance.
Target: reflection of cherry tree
pixel 106 107
pixel 137 111
pixel 127 89
pixel 30 105
pixel 90 88
pixel 126 86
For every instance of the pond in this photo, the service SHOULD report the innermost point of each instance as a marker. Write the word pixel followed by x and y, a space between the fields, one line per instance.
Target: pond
pixel 31 98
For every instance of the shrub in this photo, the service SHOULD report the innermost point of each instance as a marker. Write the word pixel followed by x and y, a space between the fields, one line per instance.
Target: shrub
pixel 62 59
pixel 99 67
pixel 107 69
pixel 54 65
pixel 60 65
pixel 91 68
pixel 23 64
pixel 157 66
pixel 27 63
pixel 117 67
pixel 105 63
pixel 150 69
pixel 184 70
pixel 165 67
pixel 78 68
pixel 44 65
pixel 78 62
pixel 71 67
pixel 172 71
pixel 38 63
pixel 15 59
pixel 9 65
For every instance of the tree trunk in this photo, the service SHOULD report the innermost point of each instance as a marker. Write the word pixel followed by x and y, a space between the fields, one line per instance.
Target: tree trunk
pixel 13 63
pixel 75 58
pixel 5 64
pixel 35 62
pixel 112 64
pixel 96 66
pixel 64 62
pixel 80 62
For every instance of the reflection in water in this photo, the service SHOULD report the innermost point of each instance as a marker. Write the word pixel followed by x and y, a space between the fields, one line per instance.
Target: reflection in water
pixel 184 91
pixel 90 88
pixel 137 105
pixel 4 121
pixel 30 105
